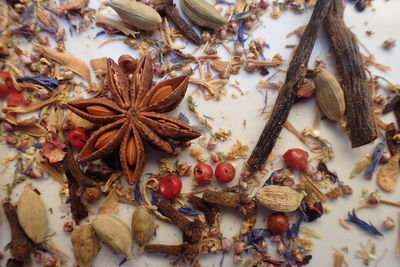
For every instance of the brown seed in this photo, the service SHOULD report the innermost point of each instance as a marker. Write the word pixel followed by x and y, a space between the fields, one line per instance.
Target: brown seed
pixel 131 151
pixel 161 93
pixel 105 138
pixel 98 110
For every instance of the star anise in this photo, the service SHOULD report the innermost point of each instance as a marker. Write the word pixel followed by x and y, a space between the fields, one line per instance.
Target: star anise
pixel 134 114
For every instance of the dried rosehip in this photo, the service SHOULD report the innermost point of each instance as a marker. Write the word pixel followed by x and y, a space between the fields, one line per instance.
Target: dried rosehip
pixel 77 137
pixel 170 186
pixel 296 158
pixel 278 223
pixel 203 173
pixel 15 98
pixel 225 172
pixel 6 84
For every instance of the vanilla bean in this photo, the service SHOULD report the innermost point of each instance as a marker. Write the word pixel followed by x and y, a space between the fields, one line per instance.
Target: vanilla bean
pixel 359 111
pixel 192 231
pixel 184 251
pixel 241 202
pixel 287 93
pixel 20 246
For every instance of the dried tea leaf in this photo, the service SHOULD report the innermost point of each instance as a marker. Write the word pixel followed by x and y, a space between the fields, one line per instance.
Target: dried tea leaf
pixel 72 63
pixel 387 175
pixel 32 215
pixel 3 16
pixel 114 23
pixel 110 203
pixel 45 165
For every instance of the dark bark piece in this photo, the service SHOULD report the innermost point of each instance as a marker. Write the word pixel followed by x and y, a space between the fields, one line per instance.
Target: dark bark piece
pixel 184 251
pixel 323 168
pixel 76 171
pixel 359 111
pixel 209 210
pixel 241 202
pixel 20 246
pixel 392 103
pixel 192 231
pixel 287 94
pixel 172 14
pixel 14 263
pixel 390 139
pixel 78 209
pixel 160 5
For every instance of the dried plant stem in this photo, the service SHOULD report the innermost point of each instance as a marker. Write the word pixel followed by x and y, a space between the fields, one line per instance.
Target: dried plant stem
pixel 398 236
pixel 287 94
pixel 349 62
pixel 318 192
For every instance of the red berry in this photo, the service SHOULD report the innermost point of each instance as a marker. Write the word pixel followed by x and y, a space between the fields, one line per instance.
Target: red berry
pixel 77 137
pixel 6 84
pixel 296 158
pixel 225 172
pixel 15 98
pixel 170 186
pixel 203 173
pixel 278 223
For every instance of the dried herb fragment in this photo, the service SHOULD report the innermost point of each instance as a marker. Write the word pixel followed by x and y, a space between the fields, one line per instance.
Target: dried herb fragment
pixel 391 141
pixel 287 94
pixel 387 175
pixel 78 209
pixel 184 251
pixel 240 202
pixel 369 228
pixel 192 231
pixel 359 111
pixel 324 169
pixel 20 245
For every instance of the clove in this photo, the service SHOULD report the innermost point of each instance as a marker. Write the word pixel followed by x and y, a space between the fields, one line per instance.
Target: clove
pixel 241 202
pixel 76 171
pixel 78 209
pixel 192 231
pixel 20 246
pixel 168 9
pixel 185 251
pixel 209 210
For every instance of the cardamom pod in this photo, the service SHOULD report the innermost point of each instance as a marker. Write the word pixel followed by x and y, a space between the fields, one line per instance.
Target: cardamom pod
pixel 85 245
pixel 114 233
pixel 136 14
pixel 143 226
pixel 32 216
pixel 330 96
pixel 279 198
pixel 202 13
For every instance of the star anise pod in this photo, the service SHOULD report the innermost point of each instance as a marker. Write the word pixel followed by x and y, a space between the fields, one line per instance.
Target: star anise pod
pixel 134 115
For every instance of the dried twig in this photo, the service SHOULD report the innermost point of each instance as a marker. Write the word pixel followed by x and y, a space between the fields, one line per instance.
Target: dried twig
pixel 287 94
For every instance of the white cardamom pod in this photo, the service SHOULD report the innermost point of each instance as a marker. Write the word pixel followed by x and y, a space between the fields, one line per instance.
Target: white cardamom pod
pixel 136 14
pixel 279 198
pixel 330 96
pixel 202 13
pixel 32 215
pixel 114 233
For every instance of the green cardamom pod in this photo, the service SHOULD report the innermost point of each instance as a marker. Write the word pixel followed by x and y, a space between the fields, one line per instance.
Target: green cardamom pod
pixel 136 14
pixel 143 226
pixel 202 13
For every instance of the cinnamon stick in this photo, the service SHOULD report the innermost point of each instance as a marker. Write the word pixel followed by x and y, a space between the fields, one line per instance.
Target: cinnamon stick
pixel 359 112
pixel 287 94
